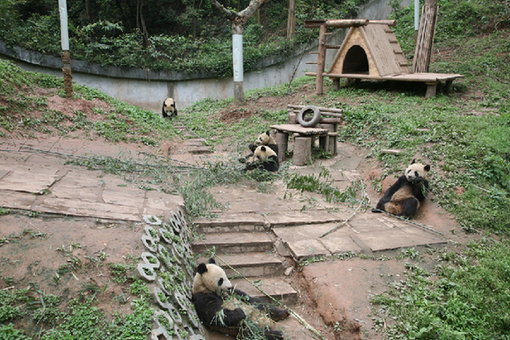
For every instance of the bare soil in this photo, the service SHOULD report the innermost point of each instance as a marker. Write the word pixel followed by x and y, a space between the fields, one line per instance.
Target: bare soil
pixel 334 294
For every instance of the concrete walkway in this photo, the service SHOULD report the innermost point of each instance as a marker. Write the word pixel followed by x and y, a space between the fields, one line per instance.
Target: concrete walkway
pixel 34 176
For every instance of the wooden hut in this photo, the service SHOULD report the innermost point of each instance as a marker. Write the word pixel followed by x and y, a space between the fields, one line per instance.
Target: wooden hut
pixel 370 50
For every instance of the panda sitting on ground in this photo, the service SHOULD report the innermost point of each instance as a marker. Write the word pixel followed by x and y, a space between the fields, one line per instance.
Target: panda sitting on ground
pixel 223 308
pixel 169 109
pixel 263 158
pixel 403 198
pixel 263 139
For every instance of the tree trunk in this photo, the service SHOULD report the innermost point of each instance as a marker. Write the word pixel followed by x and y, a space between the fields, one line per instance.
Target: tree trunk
pixel 291 20
pixel 425 38
pixel 140 23
pixel 238 21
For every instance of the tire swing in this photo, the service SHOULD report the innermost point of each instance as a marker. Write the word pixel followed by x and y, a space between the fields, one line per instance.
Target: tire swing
pixel 309 122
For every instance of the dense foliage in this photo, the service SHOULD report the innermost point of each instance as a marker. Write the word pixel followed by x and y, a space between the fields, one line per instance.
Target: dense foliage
pixel 187 35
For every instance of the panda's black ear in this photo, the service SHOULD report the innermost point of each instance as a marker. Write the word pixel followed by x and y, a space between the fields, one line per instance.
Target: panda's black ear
pixel 202 268
pixel 211 260
pixel 263 148
pixel 427 167
pixel 268 132
pixel 413 161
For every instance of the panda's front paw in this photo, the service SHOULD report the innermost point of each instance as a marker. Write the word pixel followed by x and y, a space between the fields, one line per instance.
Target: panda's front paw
pixel 279 314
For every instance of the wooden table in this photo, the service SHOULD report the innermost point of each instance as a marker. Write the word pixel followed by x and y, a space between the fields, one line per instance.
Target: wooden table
pixel 302 143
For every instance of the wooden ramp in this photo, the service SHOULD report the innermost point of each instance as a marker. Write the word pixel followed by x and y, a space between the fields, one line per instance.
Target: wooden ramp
pixel 369 51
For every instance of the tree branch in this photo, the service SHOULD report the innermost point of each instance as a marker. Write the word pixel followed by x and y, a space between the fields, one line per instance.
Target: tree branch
pixel 229 14
pixel 248 11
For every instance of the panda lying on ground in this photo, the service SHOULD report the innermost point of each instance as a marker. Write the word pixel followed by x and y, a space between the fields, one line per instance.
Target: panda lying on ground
pixel 223 308
pixel 403 198
pixel 263 158
pixel 169 109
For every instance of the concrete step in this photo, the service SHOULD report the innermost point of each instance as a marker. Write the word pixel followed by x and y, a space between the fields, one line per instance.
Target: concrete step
pixel 272 286
pixel 252 264
pixel 231 223
pixel 226 243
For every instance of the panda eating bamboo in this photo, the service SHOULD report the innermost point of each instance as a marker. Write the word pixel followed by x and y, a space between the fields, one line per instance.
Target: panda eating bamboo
pixel 403 198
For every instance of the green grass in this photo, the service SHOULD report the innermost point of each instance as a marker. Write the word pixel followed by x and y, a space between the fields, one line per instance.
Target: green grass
pixel 79 320
pixel 466 297
pixel 23 113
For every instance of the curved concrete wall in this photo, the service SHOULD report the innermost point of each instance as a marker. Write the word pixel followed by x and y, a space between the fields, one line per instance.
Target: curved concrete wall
pixel 148 89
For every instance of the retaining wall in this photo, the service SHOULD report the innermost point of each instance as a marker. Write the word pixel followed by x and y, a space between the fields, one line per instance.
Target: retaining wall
pixel 148 88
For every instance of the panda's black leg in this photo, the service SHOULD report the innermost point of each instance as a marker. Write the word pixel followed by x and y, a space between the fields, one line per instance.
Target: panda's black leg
pixel 409 207
pixel 380 206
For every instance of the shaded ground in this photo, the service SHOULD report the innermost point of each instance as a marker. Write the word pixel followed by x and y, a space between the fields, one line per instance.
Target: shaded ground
pixel 334 294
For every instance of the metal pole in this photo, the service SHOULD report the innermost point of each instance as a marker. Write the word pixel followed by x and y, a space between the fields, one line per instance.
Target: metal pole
pixel 237 55
pixel 416 14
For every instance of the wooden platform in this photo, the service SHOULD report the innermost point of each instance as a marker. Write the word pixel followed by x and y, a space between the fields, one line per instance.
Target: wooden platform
pixel 430 79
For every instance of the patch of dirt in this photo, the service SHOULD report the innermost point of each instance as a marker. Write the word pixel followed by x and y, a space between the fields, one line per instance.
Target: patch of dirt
pixel 67 257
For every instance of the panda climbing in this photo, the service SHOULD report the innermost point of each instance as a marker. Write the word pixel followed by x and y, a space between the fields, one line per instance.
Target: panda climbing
pixel 169 110
pixel 403 198
pixel 223 308
pixel 263 158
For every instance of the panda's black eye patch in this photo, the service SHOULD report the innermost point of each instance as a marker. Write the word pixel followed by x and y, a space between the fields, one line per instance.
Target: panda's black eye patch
pixel 220 282
pixel 416 174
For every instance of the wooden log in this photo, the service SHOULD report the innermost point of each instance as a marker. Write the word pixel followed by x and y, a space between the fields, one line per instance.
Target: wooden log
pixel 337 23
pixel 321 60
pixel 431 90
pixel 282 140
pixel 383 22
pixel 302 150
pixel 321 109
pixel 292 117
pixel 324 143
pixel 333 120
pixel 333 147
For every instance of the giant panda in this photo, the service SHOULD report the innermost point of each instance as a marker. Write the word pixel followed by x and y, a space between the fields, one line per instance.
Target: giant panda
pixel 404 196
pixel 223 308
pixel 169 109
pixel 265 139
pixel 263 158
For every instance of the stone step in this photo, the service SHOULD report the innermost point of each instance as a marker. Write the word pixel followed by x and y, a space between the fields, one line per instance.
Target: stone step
pixel 272 286
pixel 233 243
pixel 251 264
pixel 251 222
pixel 231 223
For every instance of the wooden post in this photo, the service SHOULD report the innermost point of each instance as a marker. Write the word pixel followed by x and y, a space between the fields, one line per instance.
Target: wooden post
pixel 282 140
pixel 431 89
pixel 302 150
pixel 321 59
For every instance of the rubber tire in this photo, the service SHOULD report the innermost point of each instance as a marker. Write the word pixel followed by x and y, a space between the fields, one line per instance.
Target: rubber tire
pixel 315 119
